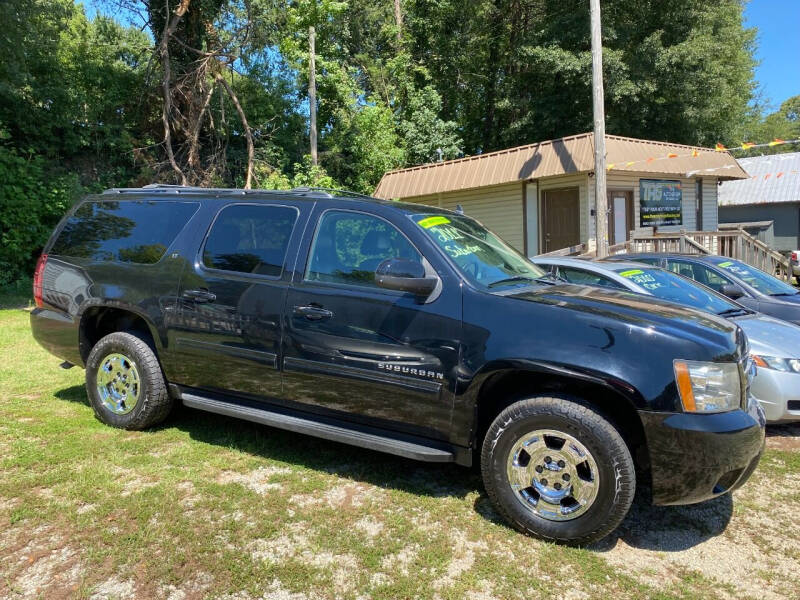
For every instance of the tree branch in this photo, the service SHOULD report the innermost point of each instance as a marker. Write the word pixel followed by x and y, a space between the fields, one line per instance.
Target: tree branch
pixel 195 135
pixel 170 25
pixel 247 132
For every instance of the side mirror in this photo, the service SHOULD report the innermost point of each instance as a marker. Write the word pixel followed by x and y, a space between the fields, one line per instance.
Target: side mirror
pixel 404 275
pixel 732 291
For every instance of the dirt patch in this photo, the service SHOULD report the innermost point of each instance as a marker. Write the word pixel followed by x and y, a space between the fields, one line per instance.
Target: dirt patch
pixel 399 562
pixel 188 497
pixel 85 508
pixel 484 591
pixel 131 481
pixel 659 545
pixel 56 571
pixel 190 590
pixel 258 480
pixel 462 561
pixel 344 497
pixel 297 544
pixel 114 589
pixel 369 525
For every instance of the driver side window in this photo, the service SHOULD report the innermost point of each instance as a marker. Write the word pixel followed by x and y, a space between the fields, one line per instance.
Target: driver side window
pixel 349 246
pixel 699 273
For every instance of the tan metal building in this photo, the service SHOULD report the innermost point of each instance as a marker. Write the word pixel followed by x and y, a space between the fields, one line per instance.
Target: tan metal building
pixel 540 197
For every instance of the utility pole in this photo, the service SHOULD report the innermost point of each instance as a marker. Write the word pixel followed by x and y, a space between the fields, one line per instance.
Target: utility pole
pixel 312 93
pixel 600 198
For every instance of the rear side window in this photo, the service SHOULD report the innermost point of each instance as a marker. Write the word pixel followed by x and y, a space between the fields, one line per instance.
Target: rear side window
pixel 250 238
pixel 129 231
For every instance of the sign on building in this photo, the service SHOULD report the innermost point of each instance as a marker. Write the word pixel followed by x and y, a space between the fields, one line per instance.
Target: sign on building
pixel 660 202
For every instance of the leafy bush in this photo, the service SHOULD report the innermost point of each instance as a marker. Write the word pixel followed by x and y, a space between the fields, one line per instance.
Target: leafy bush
pixel 32 201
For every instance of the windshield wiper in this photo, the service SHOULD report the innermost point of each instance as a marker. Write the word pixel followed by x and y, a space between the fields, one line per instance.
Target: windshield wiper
pixel 514 279
pixel 729 312
pixel 549 279
pixel 785 294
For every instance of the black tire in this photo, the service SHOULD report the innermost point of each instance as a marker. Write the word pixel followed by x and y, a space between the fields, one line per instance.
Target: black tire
pixel 616 480
pixel 153 404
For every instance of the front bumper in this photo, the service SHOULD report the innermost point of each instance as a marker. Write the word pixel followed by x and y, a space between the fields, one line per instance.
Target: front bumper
pixel 778 392
pixel 695 457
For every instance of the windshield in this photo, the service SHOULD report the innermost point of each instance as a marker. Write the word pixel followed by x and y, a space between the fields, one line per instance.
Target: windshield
pixel 482 257
pixel 668 286
pixel 766 284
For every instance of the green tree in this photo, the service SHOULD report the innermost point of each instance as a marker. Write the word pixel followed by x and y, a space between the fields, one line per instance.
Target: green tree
pixel 518 71
pixel 782 124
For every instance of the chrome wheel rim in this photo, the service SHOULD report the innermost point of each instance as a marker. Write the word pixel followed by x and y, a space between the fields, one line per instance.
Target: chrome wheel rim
pixel 553 475
pixel 118 383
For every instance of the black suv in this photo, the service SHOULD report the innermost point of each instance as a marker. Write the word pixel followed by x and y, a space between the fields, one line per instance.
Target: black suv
pixel 402 328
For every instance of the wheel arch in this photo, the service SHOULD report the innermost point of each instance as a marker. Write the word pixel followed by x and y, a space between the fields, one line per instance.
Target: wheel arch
pixel 504 383
pixel 97 320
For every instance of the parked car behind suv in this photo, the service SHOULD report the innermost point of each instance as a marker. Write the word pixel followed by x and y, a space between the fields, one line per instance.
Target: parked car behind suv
pixel 774 344
pixel 401 328
pixel 739 281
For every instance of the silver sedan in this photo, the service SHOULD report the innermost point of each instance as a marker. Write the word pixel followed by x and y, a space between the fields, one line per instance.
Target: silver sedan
pixel 774 344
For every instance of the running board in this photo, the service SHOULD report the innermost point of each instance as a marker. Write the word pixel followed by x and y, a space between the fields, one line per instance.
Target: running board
pixel 336 433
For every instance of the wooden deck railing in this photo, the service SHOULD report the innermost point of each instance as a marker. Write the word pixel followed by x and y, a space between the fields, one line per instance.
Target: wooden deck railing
pixel 736 244
pixel 579 250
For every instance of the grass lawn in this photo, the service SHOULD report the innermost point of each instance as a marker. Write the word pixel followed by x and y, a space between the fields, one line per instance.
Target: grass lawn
pixel 210 507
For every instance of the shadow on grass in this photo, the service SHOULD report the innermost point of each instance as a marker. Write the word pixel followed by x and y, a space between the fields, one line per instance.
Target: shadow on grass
pixel 358 464
pixel 669 528
pixel 783 437
pixel 663 529
pixel 75 393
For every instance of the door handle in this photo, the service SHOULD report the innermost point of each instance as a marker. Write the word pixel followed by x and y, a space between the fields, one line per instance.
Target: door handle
pixel 199 296
pixel 313 313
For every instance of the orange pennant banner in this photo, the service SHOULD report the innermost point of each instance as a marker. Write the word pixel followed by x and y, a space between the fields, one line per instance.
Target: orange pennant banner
pixel 720 148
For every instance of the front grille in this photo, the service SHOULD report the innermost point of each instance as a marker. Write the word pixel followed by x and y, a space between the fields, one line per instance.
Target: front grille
pixel 793 405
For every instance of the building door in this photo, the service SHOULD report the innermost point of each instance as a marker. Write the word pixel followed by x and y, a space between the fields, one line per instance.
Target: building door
pixel 561 219
pixel 620 216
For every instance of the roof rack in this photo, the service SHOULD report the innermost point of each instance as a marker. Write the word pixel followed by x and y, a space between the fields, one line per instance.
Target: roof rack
pixel 185 189
pixel 330 192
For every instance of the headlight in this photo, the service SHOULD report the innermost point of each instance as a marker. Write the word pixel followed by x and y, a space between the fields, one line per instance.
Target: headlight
pixel 708 387
pixel 791 365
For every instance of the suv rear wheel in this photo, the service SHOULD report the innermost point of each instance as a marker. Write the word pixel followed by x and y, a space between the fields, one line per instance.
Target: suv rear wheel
pixel 125 384
pixel 557 470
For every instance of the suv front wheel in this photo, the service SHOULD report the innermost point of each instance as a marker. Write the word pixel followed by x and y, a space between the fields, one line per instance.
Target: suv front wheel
pixel 125 384
pixel 557 470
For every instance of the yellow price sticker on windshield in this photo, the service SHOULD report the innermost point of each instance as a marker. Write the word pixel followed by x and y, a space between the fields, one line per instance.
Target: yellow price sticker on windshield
pixel 727 263
pixel 433 222
pixel 631 273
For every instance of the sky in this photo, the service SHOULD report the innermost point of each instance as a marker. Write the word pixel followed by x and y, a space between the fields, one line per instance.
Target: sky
pixel 778 23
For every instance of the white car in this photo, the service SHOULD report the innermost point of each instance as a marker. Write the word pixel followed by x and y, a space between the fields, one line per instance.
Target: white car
pixel 774 344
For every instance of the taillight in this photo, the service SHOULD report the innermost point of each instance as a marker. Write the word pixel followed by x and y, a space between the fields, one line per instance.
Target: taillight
pixel 794 256
pixel 38 276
